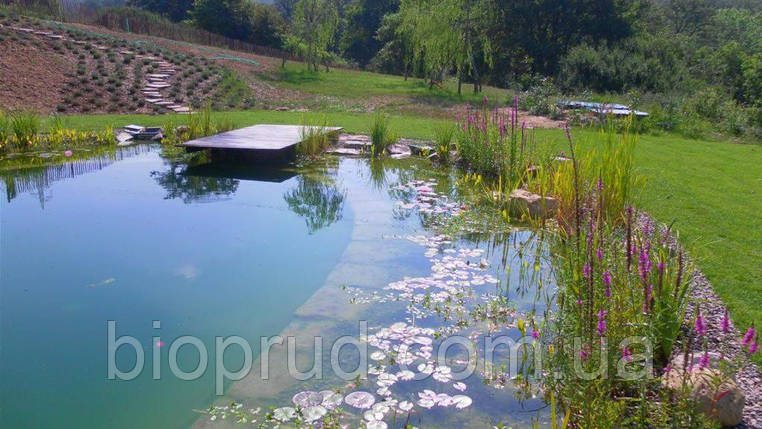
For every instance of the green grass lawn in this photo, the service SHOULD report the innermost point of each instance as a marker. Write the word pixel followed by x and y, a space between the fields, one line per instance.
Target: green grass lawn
pixel 361 84
pixel 712 190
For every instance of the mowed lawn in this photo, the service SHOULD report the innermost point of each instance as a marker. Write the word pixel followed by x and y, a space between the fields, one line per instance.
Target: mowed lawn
pixel 712 190
pixel 361 84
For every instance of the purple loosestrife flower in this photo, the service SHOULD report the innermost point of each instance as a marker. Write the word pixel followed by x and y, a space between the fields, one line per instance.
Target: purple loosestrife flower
pixel 580 302
pixel 644 263
pixel 566 128
pixel 485 100
pixel 600 184
pixel 599 254
pixel 749 336
pixel 699 325
pixel 602 322
pixel 607 282
pixel 725 322
pixel 626 354
pixel 535 334
pixel 586 271
pixel 753 347
pixel 704 361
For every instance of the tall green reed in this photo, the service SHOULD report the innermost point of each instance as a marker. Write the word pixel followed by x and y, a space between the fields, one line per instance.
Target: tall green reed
pixel 381 135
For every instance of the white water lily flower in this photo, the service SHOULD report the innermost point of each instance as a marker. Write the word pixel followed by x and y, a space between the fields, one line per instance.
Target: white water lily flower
pixel 385 379
pixel 461 401
pixel 360 399
pixel 284 414
pixel 377 356
pixel 311 414
pixel 444 400
pixel 383 391
pixel 460 386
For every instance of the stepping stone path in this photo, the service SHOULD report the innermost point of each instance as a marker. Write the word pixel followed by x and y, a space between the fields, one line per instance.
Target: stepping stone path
pixel 154 82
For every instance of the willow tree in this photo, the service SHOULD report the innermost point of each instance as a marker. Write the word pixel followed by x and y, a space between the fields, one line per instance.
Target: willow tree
pixel 447 34
pixel 313 29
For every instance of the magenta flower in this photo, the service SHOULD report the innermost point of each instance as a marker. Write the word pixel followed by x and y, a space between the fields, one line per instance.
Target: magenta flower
pixel 699 325
pixel 753 347
pixel 749 336
pixel 602 322
pixel 626 354
pixel 485 100
pixel 580 302
pixel 725 322
pixel 600 184
pixel 599 254
pixel 705 360
pixel 584 352
pixel 586 271
pixel 644 263
pixel 607 282
pixel 535 334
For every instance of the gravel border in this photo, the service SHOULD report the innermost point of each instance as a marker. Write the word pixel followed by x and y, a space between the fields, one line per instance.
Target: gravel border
pixel 749 378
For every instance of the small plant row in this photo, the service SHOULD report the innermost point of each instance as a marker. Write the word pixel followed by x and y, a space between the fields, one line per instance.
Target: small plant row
pixel 117 76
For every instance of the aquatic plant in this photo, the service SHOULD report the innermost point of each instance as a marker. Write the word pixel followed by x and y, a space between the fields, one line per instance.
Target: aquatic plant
pixel 495 144
pixel 24 128
pixel 444 136
pixel 314 135
pixel 381 135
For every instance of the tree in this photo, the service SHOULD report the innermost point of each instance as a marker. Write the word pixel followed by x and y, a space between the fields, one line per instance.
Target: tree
pixel 363 18
pixel 226 17
pixel 447 34
pixel 313 30
pixel 175 10
pixel 688 17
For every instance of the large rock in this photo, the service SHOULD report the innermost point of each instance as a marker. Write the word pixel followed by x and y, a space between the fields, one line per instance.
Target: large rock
pixel 718 398
pixel 524 202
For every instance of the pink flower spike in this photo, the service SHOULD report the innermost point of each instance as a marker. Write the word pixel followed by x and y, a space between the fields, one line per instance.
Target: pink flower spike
pixel 536 334
pixel 705 360
pixel 753 347
pixel 749 336
pixel 699 325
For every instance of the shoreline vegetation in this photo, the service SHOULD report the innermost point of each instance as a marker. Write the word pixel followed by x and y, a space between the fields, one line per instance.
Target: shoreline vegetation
pixel 620 275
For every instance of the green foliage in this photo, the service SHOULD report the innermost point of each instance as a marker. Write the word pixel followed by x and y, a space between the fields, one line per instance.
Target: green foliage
pixel 381 135
pixel 313 30
pixel 24 128
pixel 540 99
pixel 444 139
pixel 175 10
pixel 315 138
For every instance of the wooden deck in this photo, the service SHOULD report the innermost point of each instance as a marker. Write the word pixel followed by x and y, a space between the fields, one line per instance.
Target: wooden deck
pixel 265 140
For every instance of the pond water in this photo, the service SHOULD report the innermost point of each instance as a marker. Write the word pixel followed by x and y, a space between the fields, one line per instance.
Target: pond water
pixel 163 251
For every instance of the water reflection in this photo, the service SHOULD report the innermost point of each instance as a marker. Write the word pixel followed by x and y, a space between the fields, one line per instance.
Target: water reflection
pixel 36 173
pixel 317 197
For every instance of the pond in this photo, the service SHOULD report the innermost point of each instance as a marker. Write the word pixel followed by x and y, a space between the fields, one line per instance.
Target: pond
pixel 126 245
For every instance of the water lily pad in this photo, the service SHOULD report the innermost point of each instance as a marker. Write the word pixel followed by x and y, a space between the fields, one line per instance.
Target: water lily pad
pixel 360 399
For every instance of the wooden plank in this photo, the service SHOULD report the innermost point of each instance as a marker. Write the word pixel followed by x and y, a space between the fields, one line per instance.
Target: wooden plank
pixel 257 137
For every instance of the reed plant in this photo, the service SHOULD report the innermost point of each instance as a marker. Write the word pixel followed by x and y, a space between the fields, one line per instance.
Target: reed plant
pixel 314 137
pixel 5 129
pixel 444 137
pixel 381 135
pixel 494 144
pixel 24 127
